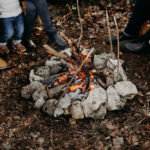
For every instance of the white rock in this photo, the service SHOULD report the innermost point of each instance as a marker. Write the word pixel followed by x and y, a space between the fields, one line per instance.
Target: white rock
pixel 100 60
pixel 114 101
pixel 39 103
pixel 50 106
pixel 76 110
pixel 33 77
pixel 29 89
pixel 65 102
pixel 95 104
pixel 40 93
pixel 109 80
pixel 122 75
pixel 112 63
pixel 52 63
pixel 126 89
pixel 58 111
pixel 67 51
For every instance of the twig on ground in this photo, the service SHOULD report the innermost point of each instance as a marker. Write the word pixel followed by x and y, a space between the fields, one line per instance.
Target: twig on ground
pixel 109 33
pixel 118 47
pixel 81 24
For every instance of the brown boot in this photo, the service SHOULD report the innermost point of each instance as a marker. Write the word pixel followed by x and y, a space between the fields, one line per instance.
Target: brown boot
pixel 3 64
pixel 19 47
pixel 4 49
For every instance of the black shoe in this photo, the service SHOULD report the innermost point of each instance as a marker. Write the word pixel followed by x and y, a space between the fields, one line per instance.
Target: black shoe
pixel 29 45
pixel 54 37
pixel 135 46
pixel 122 37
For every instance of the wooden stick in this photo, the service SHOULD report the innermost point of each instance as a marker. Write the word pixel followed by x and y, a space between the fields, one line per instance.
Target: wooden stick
pixel 109 33
pixel 81 24
pixel 55 53
pixel 118 48
pixel 75 54
pixel 101 83
pixel 78 70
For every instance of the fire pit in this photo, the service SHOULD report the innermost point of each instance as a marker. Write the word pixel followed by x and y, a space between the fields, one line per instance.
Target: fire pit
pixel 78 83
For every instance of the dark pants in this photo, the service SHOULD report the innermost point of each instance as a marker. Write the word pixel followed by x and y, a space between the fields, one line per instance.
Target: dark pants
pixel 34 8
pixel 11 27
pixel 141 13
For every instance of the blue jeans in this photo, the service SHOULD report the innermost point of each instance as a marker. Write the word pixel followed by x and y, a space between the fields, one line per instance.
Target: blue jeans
pixel 12 27
pixel 34 8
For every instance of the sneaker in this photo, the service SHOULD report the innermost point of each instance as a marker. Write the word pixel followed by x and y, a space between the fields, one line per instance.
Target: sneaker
pixel 122 37
pixel 54 37
pixel 4 49
pixel 3 64
pixel 29 45
pixel 19 47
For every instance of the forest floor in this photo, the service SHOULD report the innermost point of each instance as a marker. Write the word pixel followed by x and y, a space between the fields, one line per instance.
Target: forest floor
pixel 23 127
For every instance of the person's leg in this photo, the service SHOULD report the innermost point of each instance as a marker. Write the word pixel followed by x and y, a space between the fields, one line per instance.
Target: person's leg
pixel 29 18
pixel 6 33
pixel 19 29
pixel 140 14
pixel 43 12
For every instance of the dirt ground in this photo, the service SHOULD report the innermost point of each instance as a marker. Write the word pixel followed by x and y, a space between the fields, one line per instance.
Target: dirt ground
pixel 23 127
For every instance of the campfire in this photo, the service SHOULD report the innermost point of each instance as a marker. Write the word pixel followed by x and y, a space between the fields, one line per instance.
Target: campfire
pixel 80 83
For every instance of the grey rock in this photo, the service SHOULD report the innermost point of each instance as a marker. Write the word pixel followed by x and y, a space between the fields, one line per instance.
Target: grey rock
pixel 95 104
pixel 65 102
pixel 29 89
pixel 126 89
pixel 76 110
pixel 100 60
pixel 114 101
pixel 109 80
pixel 53 63
pixel 112 63
pixel 33 77
pixel 49 107
pixel 58 111
pixel 39 103
pixel 42 71
pixel 40 93
pixel 67 52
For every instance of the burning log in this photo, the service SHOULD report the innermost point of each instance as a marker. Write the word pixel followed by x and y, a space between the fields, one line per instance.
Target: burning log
pixel 56 90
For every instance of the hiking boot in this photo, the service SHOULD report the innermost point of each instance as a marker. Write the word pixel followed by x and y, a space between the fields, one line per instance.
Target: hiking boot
pixel 54 37
pixel 135 46
pixel 29 45
pixel 122 37
pixel 3 64
pixel 19 47
pixel 4 49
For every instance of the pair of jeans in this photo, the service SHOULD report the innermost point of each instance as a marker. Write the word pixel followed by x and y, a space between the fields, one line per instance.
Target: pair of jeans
pixel 141 13
pixel 12 27
pixel 34 8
